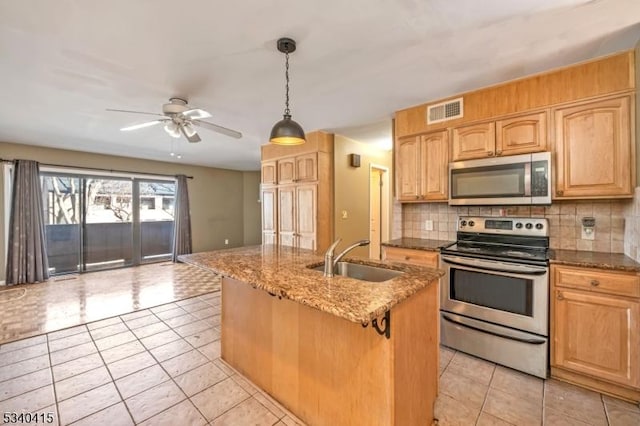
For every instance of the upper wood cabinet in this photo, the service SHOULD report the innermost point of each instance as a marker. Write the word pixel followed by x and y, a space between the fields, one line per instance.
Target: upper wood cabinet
pixel 474 141
pixel 594 154
pixel 520 134
pixel 269 173
pixel 595 329
pixel 301 168
pixel 422 167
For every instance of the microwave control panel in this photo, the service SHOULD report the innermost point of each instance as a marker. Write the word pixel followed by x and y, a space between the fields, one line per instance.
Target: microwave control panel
pixel 539 179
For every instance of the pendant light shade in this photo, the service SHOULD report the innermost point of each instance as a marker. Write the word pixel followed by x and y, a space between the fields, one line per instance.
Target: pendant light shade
pixel 287 131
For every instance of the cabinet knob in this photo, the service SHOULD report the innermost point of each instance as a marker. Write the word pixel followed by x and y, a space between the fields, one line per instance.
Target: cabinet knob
pixel 490 153
pixel 417 197
pixel 595 283
pixel 559 192
pixel 559 296
pixel 407 258
pixel 498 152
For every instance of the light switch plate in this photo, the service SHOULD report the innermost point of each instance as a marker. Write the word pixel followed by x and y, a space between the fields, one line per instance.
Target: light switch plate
pixel 345 214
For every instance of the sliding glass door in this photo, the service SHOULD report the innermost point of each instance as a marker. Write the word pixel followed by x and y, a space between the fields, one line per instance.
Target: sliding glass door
pixel 108 223
pixel 63 222
pixel 156 203
pixel 95 223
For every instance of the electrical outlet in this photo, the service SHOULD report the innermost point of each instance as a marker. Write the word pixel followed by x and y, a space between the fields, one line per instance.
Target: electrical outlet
pixel 226 242
pixel 428 225
pixel 588 228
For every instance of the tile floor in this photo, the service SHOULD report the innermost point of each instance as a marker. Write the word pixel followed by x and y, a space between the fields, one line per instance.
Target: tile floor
pixel 162 366
pixel 70 300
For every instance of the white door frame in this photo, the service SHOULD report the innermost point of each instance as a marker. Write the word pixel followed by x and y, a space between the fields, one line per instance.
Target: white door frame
pixel 384 203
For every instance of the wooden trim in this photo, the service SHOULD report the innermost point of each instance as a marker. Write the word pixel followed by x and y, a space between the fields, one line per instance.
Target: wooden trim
pixel 628 394
pixel 600 77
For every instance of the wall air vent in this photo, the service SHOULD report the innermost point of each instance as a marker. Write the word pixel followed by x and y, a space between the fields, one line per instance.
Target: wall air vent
pixel 445 111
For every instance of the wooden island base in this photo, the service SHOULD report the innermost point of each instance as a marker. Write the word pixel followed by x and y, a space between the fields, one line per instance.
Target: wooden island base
pixel 328 370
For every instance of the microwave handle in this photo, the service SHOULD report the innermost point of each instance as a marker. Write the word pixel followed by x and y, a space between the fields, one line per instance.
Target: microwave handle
pixel 527 179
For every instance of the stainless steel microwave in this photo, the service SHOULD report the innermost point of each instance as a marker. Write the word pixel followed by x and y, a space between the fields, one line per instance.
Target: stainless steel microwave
pixel 516 179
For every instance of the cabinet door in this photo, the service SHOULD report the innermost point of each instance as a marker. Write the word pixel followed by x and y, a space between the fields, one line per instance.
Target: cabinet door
pixel 522 134
pixel 474 141
pixel 407 169
pixel 286 216
pixel 306 212
pixel 434 153
pixel 307 168
pixel 269 215
pixel 269 171
pixel 593 150
pixel 597 335
pixel 286 170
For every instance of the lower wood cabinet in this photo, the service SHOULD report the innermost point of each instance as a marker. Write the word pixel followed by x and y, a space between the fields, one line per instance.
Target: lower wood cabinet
pixel 595 329
pixel 416 257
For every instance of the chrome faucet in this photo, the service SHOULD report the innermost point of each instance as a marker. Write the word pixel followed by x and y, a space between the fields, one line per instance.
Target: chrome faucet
pixel 330 261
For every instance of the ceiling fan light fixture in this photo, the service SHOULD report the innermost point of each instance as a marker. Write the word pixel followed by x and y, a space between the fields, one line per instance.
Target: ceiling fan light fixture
pixel 287 131
pixel 172 129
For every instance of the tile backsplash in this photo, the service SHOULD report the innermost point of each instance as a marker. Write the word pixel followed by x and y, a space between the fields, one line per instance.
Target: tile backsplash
pixel 565 222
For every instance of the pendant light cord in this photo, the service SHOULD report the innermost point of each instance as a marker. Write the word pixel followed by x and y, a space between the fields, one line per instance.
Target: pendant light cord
pixel 286 73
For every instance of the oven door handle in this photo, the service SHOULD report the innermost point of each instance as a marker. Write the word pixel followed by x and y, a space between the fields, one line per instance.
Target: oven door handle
pixel 518 269
pixel 493 333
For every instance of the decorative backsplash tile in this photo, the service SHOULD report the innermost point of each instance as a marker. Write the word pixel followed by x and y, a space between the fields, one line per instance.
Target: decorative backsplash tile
pixel 565 222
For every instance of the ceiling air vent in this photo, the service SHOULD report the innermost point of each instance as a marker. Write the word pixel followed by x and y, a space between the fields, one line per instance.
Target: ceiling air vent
pixel 444 111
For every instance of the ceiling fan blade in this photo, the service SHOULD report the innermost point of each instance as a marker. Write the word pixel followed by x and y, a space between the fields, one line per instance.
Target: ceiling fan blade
pixel 194 136
pixel 142 125
pixel 134 112
pixel 219 129
pixel 196 114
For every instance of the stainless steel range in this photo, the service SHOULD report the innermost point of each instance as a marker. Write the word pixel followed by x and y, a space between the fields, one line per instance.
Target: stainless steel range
pixel 495 292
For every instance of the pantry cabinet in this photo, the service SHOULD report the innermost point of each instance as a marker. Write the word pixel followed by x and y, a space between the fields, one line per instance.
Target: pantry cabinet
pixel 594 153
pixel 297 203
pixel 595 329
pixel 422 167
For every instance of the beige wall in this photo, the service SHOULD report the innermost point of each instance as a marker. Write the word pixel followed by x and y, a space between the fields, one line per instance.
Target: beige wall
pixel 218 211
pixel 351 190
pixel 252 211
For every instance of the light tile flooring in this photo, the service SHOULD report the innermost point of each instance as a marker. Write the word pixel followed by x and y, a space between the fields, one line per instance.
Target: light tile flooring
pixel 70 300
pixel 162 366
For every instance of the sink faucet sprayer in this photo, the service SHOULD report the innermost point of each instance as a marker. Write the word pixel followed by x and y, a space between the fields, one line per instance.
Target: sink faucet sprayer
pixel 330 262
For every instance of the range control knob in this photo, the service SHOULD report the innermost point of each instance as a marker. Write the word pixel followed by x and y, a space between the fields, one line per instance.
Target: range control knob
pixel 463 223
pixel 539 226
pixel 471 223
pixel 519 225
pixel 528 226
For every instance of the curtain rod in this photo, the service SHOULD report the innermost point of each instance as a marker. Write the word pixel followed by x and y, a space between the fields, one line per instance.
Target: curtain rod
pixel 4 160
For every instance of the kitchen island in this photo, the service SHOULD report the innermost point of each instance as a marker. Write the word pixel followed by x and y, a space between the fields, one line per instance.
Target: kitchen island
pixel 332 350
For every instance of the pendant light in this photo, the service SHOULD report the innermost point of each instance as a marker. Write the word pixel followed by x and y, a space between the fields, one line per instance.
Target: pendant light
pixel 287 131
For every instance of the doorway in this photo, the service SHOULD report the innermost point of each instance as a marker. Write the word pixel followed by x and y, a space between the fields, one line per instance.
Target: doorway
pixel 378 209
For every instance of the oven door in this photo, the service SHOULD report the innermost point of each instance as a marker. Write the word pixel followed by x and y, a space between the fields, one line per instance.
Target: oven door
pixel 505 293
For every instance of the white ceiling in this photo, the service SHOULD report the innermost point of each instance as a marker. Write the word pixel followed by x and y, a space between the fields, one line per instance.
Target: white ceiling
pixel 63 62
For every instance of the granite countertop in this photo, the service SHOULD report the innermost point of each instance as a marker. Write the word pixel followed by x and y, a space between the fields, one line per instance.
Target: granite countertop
pixel 418 244
pixel 589 259
pixel 283 271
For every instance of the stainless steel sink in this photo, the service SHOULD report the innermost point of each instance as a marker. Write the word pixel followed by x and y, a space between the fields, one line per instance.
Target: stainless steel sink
pixel 361 272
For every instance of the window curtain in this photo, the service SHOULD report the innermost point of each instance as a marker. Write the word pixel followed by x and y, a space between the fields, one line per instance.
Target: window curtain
pixel 182 224
pixel 27 253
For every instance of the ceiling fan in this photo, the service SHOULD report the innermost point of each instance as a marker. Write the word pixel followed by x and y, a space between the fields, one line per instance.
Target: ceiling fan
pixel 179 120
